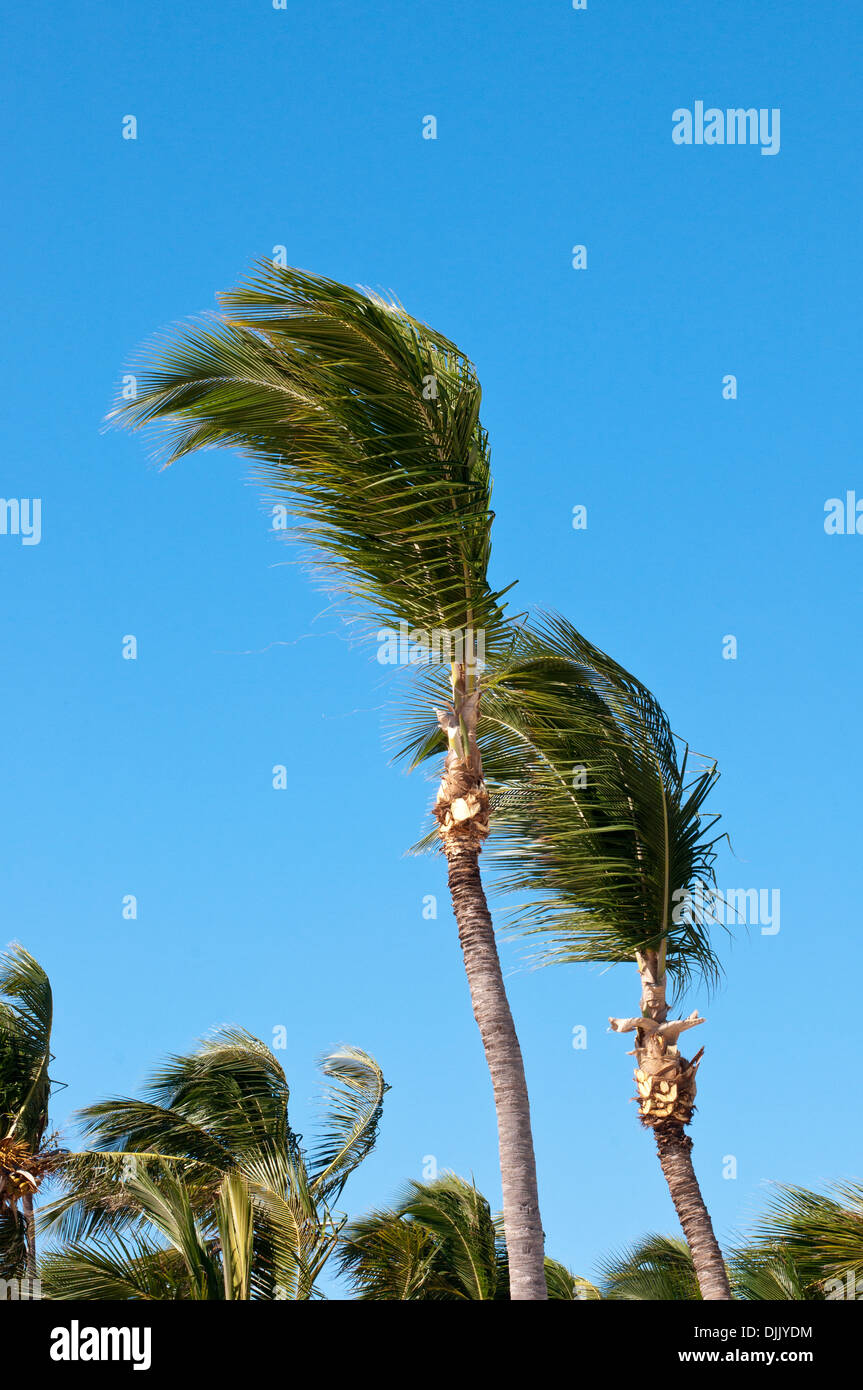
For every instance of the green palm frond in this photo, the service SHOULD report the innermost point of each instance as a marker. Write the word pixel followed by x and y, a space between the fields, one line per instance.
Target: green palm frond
pixel 598 817
pixel 390 1259
pixel 566 1286
pixel 354 1103
pixel 135 1265
pixel 26 1015
pixel 127 1268
pixel 657 1268
pixel 439 1242
pixel 459 1218
pixel 821 1232
pixel 362 420
pixel 209 1156
pixel 772 1275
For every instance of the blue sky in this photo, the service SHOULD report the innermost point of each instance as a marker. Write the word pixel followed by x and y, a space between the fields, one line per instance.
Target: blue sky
pixel 602 387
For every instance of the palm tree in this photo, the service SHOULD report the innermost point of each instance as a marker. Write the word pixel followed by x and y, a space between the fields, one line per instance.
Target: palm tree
pixel 366 423
pixel 439 1242
pixel 599 822
pixel 26 1011
pixel 202 1189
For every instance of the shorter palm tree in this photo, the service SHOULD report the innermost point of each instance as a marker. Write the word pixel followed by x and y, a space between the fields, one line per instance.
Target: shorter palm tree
pixel 440 1242
pixel 202 1189
pixel 26 1011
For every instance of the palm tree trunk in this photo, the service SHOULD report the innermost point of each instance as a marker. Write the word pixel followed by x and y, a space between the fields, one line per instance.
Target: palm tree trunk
pixel 675 1156
pixel 31 1267
pixel 521 1218
pixel 666 1092
pixel 462 812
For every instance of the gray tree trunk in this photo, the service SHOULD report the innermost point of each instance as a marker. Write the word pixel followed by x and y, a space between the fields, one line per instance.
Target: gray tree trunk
pixel 522 1223
pixel 675 1156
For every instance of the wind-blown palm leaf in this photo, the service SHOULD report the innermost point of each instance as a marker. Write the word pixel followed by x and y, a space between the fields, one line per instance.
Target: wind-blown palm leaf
pixel 354 1103
pixel 364 421
pixel 657 1268
pixel 390 1259
pixel 439 1242
pixel 821 1232
pixel 26 1014
pixel 210 1156
pixel 134 1266
pixel 770 1275
pixel 125 1268
pixel 597 820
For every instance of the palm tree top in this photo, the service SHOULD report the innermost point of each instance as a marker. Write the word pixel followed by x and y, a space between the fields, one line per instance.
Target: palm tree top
pixel 361 419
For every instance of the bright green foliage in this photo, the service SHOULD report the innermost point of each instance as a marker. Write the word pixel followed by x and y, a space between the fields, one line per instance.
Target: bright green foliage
pixel 202 1189
pixel 439 1242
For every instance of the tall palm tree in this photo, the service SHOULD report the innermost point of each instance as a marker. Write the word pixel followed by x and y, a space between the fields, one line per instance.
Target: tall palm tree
pixel 439 1242
pixel 366 424
pixel 599 822
pixel 202 1189
pixel 26 1012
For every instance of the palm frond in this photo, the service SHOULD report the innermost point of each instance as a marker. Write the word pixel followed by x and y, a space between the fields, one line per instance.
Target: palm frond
pixel 26 1015
pixel 657 1268
pixel 362 420
pixel 821 1231
pixel 354 1101
pixel 598 821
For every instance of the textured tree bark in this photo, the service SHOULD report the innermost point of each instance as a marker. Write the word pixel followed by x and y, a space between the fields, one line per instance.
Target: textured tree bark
pixel 30 1226
pixel 666 1092
pixel 522 1223
pixel 462 813
pixel 675 1156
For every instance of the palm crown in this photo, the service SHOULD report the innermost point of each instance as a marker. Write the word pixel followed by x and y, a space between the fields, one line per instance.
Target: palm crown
pixel 364 420
pixel 208 1160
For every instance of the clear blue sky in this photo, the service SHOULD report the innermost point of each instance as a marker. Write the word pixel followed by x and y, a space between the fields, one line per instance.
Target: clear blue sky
pixel 603 387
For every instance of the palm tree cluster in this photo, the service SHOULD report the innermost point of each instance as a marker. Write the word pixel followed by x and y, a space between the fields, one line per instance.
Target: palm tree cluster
pixel 364 423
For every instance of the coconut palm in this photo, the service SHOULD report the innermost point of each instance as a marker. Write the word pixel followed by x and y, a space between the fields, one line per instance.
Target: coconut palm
pixel 599 822
pixel 26 1011
pixel 365 424
pixel 439 1242
pixel 202 1189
